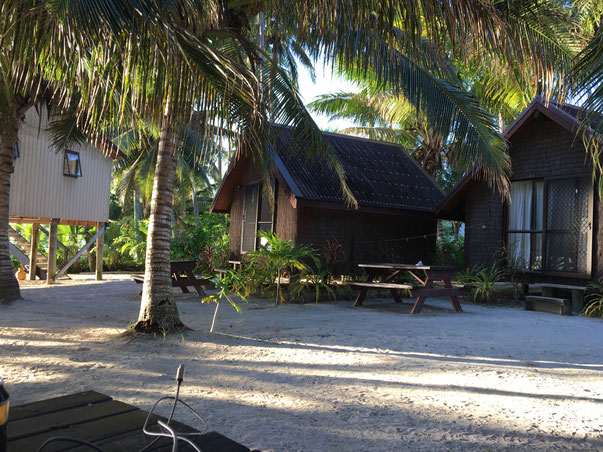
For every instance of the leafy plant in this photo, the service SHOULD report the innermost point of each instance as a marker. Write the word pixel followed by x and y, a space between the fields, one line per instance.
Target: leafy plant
pixel 594 301
pixel 15 262
pixel 333 254
pixel 514 265
pixel 204 239
pixel 230 284
pixel 278 256
pixel 315 281
pixel 483 281
pixel 450 247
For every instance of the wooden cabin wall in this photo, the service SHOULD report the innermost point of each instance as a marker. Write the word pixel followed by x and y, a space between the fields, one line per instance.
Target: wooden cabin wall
pixel 368 237
pixel 541 149
pixel 484 223
pixel 285 215
pixel 38 186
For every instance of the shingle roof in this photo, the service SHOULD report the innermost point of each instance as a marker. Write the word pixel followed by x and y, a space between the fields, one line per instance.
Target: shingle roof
pixel 567 116
pixel 379 174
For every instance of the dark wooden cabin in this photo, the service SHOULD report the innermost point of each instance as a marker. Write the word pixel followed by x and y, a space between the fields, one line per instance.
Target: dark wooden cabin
pixel 395 219
pixel 551 225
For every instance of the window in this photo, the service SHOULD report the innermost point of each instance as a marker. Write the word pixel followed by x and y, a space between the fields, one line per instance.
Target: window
pixel 71 164
pixel 550 225
pixel 16 153
pixel 257 216
pixel 525 224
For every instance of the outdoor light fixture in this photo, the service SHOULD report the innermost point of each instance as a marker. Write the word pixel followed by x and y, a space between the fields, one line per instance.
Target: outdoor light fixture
pixel 484 227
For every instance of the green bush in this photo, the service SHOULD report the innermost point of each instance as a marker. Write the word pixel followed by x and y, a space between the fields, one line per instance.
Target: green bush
pixel 593 302
pixel 483 280
pixel 15 262
pixel 204 239
pixel 278 259
pixel 450 246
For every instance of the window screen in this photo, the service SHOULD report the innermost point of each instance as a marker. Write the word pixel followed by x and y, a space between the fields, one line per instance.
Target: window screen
pixel 568 225
pixel 561 241
pixel 71 164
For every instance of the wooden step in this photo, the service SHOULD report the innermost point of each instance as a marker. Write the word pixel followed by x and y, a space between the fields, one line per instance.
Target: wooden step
pixel 561 306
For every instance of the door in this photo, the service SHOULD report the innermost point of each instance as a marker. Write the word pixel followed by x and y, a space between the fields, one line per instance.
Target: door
pixel 250 215
pixel 568 226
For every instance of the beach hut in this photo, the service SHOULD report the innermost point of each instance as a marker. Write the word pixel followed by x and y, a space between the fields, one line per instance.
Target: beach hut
pixel 57 186
pixel 395 218
pixel 551 225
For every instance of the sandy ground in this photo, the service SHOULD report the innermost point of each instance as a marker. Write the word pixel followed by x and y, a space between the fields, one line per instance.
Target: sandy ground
pixel 322 377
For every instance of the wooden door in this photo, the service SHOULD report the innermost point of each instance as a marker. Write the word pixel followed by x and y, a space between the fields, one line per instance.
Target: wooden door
pixel 250 216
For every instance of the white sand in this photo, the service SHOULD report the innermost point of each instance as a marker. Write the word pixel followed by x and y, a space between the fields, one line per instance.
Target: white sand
pixel 322 377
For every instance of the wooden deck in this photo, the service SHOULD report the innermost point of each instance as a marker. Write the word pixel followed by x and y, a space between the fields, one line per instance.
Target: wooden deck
pixel 94 417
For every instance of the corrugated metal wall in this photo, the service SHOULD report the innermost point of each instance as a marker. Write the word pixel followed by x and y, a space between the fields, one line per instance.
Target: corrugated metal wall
pixel 38 186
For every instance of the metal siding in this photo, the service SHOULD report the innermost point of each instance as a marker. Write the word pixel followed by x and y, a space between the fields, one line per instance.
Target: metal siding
pixel 38 186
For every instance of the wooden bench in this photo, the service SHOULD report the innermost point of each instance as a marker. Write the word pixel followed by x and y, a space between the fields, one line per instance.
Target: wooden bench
pixel 376 285
pixel 561 306
pixel 183 277
pixel 424 275
pixel 221 272
pixel 550 290
pixel 99 419
pixel 414 291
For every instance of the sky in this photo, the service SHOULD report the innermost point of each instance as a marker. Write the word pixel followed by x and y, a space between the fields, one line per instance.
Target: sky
pixel 326 82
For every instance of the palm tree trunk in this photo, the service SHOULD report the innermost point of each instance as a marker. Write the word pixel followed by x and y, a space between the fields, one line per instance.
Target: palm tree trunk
pixel 158 311
pixel 137 218
pixel 196 207
pixel 9 132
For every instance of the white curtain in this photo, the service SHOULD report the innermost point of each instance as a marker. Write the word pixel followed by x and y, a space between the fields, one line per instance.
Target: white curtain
pixel 520 218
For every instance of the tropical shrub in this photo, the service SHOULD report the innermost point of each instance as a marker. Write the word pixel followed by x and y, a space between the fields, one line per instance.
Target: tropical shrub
pixel 15 262
pixel 313 284
pixel 228 286
pixel 125 245
pixel 203 239
pixel 334 259
pixel 450 246
pixel 277 257
pixel 450 251
pixel 483 281
pixel 593 302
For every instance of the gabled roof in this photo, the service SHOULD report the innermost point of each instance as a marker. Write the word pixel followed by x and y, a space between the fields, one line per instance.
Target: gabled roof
pixel 380 175
pixel 567 116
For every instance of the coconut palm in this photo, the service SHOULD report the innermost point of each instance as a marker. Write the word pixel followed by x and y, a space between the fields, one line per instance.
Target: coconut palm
pixel 197 169
pixel 39 63
pixel 501 88
pixel 166 58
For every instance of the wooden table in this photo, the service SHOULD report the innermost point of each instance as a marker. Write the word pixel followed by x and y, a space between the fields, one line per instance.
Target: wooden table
pixel 183 277
pixel 425 275
pixel 97 418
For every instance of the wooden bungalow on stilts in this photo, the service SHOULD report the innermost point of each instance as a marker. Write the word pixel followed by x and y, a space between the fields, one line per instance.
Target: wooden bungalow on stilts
pixel 57 186
pixel 395 218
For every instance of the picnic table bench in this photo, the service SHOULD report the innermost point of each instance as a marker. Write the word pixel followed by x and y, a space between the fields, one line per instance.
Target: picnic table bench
pixel 97 418
pixel 221 272
pixel 183 277
pixel 550 301
pixel 386 275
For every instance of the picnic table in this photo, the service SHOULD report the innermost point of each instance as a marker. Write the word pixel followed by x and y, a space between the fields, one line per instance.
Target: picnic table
pixel 183 277
pixel 424 276
pixel 97 418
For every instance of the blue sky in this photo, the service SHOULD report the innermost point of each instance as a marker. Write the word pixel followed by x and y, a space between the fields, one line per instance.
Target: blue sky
pixel 326 82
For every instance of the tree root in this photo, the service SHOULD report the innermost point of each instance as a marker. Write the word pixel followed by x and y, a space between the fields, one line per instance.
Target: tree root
pixel 149 328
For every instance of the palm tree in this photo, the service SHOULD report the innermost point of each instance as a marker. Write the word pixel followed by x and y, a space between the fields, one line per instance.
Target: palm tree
pixel 38 60
pixel 197 169
pixel 167 58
